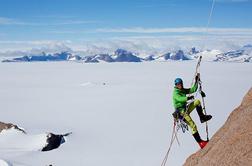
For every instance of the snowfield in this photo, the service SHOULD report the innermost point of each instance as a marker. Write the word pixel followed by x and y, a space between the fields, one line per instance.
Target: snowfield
pixel 120 113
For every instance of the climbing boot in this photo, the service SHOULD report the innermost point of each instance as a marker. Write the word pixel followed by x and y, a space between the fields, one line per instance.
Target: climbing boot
pixel 202 144
pixel 197 137
pixel 199 111
pixel 205 118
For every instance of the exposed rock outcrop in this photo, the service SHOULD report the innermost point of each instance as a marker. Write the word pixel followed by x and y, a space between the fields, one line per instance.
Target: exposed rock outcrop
pixel 6 126
pixel 232 143
pixel 53 141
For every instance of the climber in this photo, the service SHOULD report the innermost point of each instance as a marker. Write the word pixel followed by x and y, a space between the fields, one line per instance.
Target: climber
pixel 183 109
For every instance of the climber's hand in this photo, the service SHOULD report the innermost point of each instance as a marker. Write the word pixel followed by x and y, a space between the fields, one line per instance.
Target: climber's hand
pixel 197 77
pixel 190 97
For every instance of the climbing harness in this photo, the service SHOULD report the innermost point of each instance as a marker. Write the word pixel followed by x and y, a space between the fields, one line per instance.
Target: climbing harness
pixel 179 120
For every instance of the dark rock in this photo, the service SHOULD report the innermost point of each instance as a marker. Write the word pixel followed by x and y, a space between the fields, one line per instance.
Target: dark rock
pixel 193 51
pixel 167 56
pixel 149 58
pixel 53 141
pixel 5 126
pixel 125 56
pixel 90 59
pixel 179 55
pixel 105 57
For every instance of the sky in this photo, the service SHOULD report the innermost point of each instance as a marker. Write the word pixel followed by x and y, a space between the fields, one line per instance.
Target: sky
pixel 72 22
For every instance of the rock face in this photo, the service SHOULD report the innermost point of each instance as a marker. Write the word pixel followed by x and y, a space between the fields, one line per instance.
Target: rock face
pixel 232 143
pixel 6 126
pixel 53 141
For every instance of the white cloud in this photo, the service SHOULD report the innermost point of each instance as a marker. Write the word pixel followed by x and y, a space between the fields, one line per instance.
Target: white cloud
pixel 155 32
pixel 143 45
pixel 34 46
pixel 223 31
pixel 10 21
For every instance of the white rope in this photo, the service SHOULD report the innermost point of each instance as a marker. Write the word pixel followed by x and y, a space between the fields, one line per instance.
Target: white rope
pixel 210 15
pixel 205 37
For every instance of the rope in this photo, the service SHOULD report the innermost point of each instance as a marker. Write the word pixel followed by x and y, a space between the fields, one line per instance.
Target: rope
pixel 200 83
pixel 204 108
pixel 174 135
pixel 208 23
pixel 197 70
pixel 210 16
pixel 200 90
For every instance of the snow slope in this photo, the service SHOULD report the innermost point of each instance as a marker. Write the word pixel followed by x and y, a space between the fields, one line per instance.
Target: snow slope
pixel 119 113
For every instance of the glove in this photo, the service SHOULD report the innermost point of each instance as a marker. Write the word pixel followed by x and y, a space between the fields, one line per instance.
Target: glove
pixel 190 97
pixel 203 94
pixel 197 77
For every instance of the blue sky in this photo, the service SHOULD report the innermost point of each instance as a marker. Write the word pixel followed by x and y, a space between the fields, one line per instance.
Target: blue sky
pixel 77 20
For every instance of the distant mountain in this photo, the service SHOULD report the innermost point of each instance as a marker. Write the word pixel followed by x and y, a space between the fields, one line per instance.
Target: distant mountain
pixel 122 55
pixel 63 56
pixel 90 59
pixel 193 51
pixel 149 58
pixel 175 55
pixel 179 55
pixel 167 56
pixel 104 57
pixel 244 54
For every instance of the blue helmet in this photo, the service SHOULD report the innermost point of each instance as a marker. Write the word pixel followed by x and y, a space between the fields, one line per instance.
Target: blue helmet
pixel 178 81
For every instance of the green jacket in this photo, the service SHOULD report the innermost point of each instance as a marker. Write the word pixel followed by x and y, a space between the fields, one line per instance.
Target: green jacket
pixel 179 96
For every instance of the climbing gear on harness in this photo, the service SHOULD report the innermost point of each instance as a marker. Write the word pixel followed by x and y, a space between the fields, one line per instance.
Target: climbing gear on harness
pixel 179 120
pixel 181 124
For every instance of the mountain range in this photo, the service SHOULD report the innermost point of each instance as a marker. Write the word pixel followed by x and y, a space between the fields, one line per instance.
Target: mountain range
pixel 243 54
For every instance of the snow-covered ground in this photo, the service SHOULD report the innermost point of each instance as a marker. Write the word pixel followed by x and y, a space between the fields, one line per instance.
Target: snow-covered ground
pixel 120 113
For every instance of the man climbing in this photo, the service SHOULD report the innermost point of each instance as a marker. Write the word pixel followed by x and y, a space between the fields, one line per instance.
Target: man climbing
pixel 183 110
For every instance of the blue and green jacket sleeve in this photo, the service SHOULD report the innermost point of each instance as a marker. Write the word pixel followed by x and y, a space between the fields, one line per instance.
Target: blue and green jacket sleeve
pixel 179 96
